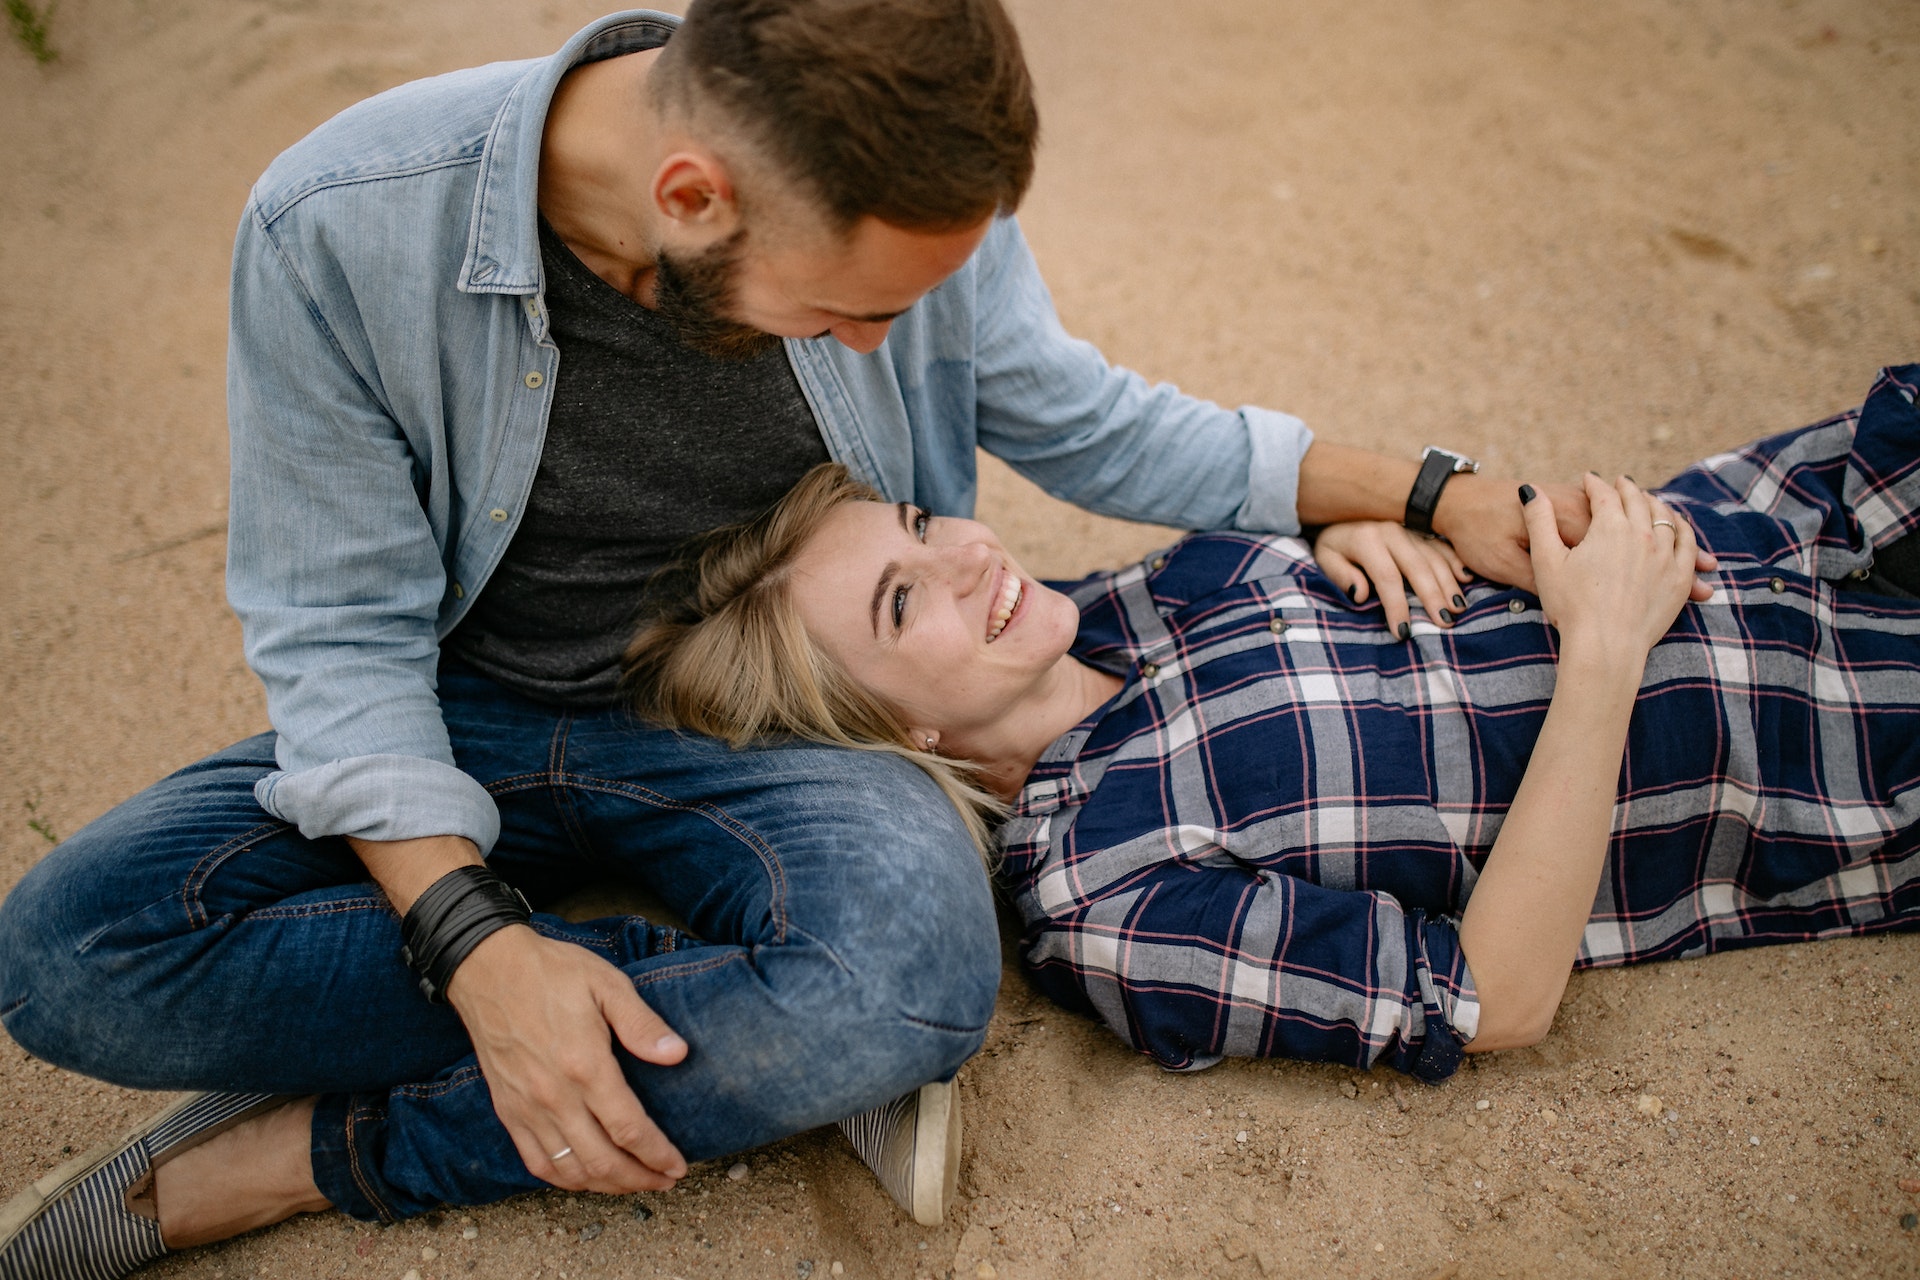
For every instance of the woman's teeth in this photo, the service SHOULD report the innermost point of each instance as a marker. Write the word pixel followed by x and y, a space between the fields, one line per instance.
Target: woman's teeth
pixel 1010 594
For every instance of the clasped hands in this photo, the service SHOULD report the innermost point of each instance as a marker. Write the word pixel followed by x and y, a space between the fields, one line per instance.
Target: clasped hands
pixel 1486 533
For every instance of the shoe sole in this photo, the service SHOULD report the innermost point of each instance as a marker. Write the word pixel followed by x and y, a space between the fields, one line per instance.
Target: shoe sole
pixel 936 1152
pixel 23 1209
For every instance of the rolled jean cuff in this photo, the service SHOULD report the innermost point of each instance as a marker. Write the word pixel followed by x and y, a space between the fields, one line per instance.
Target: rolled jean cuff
pixel 338 1118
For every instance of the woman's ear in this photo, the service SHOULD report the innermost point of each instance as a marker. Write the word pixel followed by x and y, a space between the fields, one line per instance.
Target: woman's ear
pixel 924 739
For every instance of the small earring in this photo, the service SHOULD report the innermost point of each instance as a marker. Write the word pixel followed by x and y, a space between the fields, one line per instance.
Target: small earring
pixel 929 742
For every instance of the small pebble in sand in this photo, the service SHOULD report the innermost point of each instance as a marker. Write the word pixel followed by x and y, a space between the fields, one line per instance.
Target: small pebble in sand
pixel 738 1173
pixel 1346 1087
pixel 1648 1105
pixel 1910 1185
pixel 641 1213
pixel 592 1230
pixel 469 1233
pixel 1483 1105
pixel 1908 1221
pixel 803 1268
pixel 1241 1137
pixel 413 1273
pixel 985 1271
pixel 429 1253
pixel 836 1270
pixel 1753 1139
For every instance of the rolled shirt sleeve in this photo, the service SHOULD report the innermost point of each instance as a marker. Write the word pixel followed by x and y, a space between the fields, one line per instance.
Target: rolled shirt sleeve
pixel 1190 963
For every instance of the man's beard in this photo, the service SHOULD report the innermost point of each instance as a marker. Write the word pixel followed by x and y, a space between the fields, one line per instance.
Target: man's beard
pixel 693 295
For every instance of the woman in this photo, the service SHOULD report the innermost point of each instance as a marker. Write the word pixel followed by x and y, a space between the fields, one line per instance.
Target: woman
pixel 1242 818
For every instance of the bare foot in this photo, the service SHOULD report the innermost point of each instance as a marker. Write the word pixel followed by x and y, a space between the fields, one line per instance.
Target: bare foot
pixel 252 1175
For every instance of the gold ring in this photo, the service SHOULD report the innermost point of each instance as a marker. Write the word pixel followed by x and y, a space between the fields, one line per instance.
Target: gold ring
pixel 1669 524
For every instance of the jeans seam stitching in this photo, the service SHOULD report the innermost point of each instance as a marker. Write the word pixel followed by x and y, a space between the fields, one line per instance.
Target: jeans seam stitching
pixel 562 801
pixel 436 1088
pixel 203 869
pixel 684 971
pixel 281 911
pixel 380 1206
pixel 720 818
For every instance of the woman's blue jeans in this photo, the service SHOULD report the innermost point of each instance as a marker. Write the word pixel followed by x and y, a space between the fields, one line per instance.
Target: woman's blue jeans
pixel 843 946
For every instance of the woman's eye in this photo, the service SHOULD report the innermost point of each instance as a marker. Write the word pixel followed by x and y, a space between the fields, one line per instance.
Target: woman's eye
pixel 899 606
pixel 920 521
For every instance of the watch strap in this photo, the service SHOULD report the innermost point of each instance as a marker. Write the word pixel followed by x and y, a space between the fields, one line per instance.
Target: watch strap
pixel 1437 467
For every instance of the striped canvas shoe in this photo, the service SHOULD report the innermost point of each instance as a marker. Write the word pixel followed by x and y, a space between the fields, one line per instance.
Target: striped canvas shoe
pixel 92 1219
pixel 912 1144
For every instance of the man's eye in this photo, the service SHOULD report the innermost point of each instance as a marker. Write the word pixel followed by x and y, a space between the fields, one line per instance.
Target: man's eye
pixel 921 519
pixel 899 606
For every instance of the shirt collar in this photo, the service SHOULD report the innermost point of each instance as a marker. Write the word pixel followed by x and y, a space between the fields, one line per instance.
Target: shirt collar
pixel 503 245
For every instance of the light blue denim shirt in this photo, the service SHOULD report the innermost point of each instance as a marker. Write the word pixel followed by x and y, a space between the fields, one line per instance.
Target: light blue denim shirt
pixel 390 371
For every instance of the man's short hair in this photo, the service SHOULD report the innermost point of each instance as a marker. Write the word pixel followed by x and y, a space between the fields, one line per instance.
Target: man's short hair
pixel 916 112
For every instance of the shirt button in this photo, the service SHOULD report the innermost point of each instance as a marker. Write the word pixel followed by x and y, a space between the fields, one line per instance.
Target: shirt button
pixel 1861 575
pixel 1277 625
pixel 1777 585
pixel 497 514
pixel 459 592
pixel 1149 669
pixel 1516 606
pixel 534 380
pixel 1157 563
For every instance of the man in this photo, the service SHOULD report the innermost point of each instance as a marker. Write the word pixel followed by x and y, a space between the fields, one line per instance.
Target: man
pixel 500 340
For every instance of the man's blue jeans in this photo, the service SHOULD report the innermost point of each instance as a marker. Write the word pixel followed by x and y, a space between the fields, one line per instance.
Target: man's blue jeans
pixel 846 950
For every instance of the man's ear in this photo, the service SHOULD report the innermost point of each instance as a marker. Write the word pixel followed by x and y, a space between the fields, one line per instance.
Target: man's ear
pixel 693 189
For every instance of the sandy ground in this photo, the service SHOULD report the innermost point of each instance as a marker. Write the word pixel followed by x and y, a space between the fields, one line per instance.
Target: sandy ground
pixel 1557 236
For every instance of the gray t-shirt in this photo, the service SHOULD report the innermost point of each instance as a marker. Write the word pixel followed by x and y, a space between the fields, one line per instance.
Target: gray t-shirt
pixel 649 443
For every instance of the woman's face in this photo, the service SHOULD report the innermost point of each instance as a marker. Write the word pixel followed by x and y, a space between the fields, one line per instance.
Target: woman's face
pixel 929 613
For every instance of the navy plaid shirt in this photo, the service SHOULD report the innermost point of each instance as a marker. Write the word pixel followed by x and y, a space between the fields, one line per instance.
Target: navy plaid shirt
pixel 1263 843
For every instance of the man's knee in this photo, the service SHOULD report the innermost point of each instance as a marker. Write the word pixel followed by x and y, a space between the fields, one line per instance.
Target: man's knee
pixel 909 914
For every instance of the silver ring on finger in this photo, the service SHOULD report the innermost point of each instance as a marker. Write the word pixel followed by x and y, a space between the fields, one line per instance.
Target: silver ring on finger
pixel 1669 524
pixel 561 1154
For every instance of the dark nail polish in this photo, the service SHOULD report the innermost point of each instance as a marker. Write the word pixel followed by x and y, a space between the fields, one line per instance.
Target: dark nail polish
pixel 1405 631
pixel 1526 494
pixel 1353 593
pixel 1459 602
pixel 1446 616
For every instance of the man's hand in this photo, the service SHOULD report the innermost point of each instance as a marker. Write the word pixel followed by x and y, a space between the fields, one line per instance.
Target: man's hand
pixel 542 1016
pixel 539 1014
pixel 1481 516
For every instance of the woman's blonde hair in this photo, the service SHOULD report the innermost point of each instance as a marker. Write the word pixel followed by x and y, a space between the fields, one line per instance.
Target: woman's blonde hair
pixel 728 656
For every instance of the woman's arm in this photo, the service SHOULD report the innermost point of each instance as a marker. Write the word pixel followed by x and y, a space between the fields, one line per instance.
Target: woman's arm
pixel 1611 598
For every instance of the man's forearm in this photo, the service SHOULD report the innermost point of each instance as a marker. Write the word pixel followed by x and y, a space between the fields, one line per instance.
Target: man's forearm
pixel 404 868
pixel 1338 482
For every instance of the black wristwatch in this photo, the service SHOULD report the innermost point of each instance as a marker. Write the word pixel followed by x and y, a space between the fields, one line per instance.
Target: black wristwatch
pixel 1437 466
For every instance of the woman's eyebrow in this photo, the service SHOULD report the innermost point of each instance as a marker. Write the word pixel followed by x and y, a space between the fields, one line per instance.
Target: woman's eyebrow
pixel 887 574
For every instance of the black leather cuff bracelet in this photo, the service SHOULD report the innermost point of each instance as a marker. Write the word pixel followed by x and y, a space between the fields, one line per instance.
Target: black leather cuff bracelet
pixel 457 913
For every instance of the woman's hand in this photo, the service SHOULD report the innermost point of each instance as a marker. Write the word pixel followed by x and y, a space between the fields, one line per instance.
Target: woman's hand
pixel 1364 555
pixel 1621 588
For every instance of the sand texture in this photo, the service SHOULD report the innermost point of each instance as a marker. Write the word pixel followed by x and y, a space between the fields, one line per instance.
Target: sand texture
pixel 1558 236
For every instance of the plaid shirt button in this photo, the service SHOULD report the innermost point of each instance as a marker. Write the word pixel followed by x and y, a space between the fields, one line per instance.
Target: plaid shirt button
pixel 1516 606
pixel 1149 669
pixel 1277 625
pixel 1777 585
pixel 1157 563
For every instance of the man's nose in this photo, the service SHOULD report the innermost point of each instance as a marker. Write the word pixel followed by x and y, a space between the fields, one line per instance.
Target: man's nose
pixel 863 336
